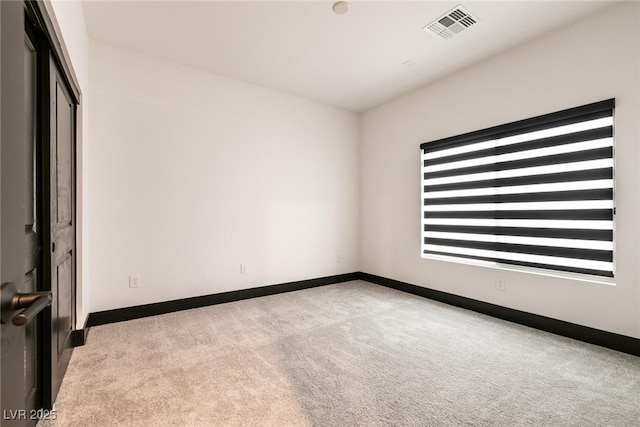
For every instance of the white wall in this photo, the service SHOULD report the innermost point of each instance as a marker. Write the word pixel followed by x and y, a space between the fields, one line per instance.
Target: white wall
pixel 193 174
pixel 70 18
pixel 593 60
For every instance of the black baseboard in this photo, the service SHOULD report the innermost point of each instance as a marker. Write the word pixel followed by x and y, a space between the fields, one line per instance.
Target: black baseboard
pixel 586 334
pixel 146 310
pixel 79 337
pixel 610 340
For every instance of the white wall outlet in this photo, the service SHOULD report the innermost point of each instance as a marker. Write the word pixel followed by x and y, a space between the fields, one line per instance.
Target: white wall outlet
pixel 501 284
pixel 134 280
pixel 338 259
pixel 244 268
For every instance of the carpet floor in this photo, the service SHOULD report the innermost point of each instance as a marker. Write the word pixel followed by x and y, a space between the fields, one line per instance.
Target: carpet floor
pixel 350 354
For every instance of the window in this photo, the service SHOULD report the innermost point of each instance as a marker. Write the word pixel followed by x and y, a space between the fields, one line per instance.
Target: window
pixel 535 193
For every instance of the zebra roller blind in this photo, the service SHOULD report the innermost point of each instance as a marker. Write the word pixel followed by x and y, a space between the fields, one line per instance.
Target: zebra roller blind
pixel 535 193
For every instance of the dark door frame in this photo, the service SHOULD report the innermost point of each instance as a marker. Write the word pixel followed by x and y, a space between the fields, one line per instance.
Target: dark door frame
pixel 43 14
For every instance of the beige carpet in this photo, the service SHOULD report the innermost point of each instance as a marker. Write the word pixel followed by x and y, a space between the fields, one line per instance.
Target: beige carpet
pixel 351 354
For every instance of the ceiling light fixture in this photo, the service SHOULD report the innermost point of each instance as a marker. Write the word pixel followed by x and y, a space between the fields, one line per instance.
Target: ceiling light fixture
pixel 340 7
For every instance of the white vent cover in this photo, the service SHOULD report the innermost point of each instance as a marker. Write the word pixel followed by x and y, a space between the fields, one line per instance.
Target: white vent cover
pixel 452 22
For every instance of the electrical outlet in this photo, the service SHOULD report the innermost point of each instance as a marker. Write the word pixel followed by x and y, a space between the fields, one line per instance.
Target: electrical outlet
pixel 134 280
pixel 244 268
pixel 501 284
pixel 338 259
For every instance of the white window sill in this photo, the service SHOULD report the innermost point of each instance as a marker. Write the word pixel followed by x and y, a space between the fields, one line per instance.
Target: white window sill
pixel 522 269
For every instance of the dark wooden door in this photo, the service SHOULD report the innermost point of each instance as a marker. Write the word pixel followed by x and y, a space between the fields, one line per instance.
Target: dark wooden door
pixel 61 234
pixel 20 260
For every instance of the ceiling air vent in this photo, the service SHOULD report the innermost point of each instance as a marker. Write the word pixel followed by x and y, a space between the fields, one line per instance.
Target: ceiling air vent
pixel 452 22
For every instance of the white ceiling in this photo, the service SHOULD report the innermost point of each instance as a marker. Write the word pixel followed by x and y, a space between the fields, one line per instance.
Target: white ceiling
pixel 354 61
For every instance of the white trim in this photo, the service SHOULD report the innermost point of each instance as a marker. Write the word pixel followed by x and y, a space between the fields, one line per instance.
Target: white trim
pixel 522 269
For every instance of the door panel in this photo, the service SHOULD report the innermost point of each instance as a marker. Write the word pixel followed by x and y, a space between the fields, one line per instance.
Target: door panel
pixel 64 129
pixel 63 302
pixel 62 222
pixel 17 346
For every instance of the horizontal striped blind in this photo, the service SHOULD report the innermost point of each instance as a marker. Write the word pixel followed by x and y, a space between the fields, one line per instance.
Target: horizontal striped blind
pixel 536 193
